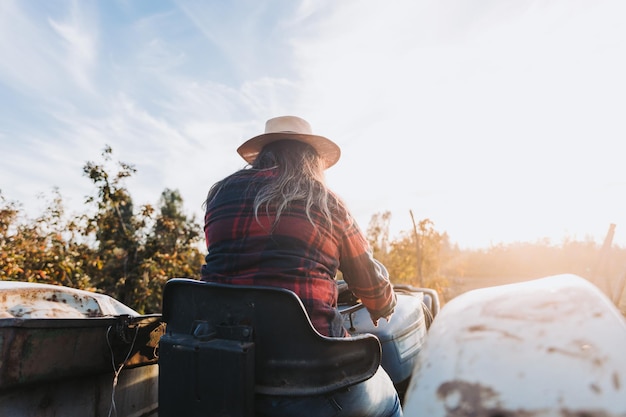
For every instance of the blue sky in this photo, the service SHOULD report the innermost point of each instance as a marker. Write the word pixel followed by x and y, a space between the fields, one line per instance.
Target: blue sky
pixel 499 121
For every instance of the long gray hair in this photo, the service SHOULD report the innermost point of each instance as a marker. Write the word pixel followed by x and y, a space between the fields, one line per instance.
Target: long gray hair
pixel 300 179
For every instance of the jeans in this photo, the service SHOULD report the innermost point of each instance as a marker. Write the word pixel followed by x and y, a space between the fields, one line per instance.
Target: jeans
pixel 375 397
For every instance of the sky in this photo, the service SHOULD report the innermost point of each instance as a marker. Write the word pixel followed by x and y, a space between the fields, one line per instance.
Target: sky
pixel 500 122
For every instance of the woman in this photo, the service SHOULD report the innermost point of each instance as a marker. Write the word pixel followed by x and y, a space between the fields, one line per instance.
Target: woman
pixel 277 224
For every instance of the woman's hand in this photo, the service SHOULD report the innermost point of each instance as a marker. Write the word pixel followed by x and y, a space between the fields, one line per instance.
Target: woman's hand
pixel 388 318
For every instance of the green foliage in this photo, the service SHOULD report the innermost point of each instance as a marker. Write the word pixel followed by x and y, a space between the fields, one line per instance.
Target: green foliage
pixel 44 249
pixel 117 250
pixel 416 258
pixel 170 249
pixel 138 252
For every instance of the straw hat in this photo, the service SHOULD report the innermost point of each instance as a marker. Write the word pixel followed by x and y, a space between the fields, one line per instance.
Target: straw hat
pixel 293 128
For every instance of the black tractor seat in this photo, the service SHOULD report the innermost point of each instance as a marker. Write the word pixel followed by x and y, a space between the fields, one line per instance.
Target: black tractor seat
pixel 224 343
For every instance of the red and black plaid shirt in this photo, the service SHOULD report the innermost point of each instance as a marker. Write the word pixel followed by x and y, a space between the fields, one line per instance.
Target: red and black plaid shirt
pixel 292 254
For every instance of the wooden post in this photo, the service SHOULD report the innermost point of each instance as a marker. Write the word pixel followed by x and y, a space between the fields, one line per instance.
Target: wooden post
pixel 418 250
pixel 600 274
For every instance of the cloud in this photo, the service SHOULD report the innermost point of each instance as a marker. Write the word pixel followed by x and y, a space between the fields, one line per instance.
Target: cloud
pixel 479 115
pixel 79 39
pixel 47 56
pixel 485 101
pixel 248 37
pixel 27 56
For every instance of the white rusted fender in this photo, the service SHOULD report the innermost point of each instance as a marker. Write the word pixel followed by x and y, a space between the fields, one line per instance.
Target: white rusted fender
pixel 33 300
pixel 549 347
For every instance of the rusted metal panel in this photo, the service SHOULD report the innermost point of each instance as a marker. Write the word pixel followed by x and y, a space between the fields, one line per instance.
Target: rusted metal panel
pixel 36 350
pixel 50 332
pixel 549 347
pixel 134 395
pixel 60 350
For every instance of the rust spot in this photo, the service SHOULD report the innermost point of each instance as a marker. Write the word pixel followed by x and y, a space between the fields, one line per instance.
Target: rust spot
pixel 616 382
pixel 477 328
pixel 465 399
pixel 584 413
pixel 585 353
pixel 468 399
pixel 481 328
pixel 595 388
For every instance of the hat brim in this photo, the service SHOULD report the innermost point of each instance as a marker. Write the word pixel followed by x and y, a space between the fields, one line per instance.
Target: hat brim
pixel 328 150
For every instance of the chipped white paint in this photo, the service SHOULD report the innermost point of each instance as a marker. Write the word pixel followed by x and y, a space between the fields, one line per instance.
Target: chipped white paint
pixel 549 347
pixel 31 300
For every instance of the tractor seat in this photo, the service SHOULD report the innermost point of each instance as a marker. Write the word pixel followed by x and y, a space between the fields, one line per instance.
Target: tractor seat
pixel 224 343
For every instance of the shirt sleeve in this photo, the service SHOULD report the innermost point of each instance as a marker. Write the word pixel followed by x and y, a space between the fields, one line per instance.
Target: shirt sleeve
pixel 366 277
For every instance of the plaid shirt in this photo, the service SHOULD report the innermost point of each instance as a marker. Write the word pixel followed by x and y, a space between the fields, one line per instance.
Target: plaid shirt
pixel 293 254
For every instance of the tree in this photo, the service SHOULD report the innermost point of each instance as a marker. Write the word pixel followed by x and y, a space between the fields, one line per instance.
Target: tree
pixel 414 258
pixel 171 248
pixel 44 249
pixel 126 254
pixel 378 235
pixel 116 232
pixel 137 254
